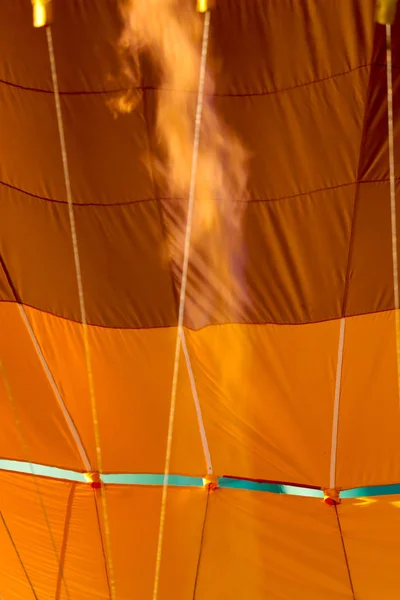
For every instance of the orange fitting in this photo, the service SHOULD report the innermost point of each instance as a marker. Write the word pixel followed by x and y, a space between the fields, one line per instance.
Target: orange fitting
pixel 210 482
pixel 386 11
pixel 204 5
pixel 93 478
pixel 42 12
pixel 331 497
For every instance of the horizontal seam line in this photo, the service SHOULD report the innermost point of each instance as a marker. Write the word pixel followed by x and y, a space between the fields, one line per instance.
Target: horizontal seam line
pixel 217 94
pixel 173 199
pixel 222 324
pixel 316 191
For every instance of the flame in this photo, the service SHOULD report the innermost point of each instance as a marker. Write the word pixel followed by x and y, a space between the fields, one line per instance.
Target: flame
pixel 169 32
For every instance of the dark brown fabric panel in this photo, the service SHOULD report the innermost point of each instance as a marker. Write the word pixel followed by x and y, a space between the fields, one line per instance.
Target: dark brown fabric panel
pixel 108 157
pixel 375 153
pixel 85 36
pixel 288 266
pixel 23 49
pixel 299 114
pixel 126 282
pixel 298 141
pixel 371 272
pixel 266 276
pixel 30 155
pixel 261 48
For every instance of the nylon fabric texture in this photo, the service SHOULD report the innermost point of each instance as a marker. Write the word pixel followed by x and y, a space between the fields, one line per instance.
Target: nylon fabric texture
pixel 303 86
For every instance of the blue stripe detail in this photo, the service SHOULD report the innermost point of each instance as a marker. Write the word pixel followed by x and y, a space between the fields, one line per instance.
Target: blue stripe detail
pixel 33 468
pixel 147 479
pixel 372 490
pixel 184 481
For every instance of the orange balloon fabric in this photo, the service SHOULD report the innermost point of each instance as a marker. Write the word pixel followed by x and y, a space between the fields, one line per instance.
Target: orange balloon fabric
pixel 302 85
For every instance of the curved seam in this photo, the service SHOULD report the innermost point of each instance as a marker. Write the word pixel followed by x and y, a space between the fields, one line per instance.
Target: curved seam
pixel 315 191
pixel 196 578
pixel 203 327
pixel 18 554
pixel 215 94
pixel 105 562
pixel 65 540
pixel 345 553
pixel 175 198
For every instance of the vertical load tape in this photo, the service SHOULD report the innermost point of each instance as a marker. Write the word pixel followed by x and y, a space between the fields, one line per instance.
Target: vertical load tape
pixel 42 12
pixel 386 11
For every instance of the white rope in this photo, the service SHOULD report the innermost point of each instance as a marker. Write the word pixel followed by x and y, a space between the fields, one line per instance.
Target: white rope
pixel 393 198
pixel 203 435
pixel 391 165
pixel 66 176
pixel 336 404
pixel 78 272
pixel 192 189
pixel 61 403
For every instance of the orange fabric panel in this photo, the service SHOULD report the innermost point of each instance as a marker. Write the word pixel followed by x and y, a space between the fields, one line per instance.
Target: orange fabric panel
pixel 266 393
pixel 259 545
pixel 13 581
pixel 371 530
pixel 134 513
pixel 133 378
pixel 134 523
pixel 84 561
pixel 22 510
pixel 44 428
pixel 369 416
pixel 267 396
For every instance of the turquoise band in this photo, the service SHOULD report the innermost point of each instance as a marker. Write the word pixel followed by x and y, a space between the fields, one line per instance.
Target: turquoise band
pixel 184 481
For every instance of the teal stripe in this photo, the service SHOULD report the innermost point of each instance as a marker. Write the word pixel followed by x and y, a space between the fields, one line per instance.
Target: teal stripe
pixel 372 490
pixel 54 472
pixel 184 481
pixel 147 479
pixel 273 488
